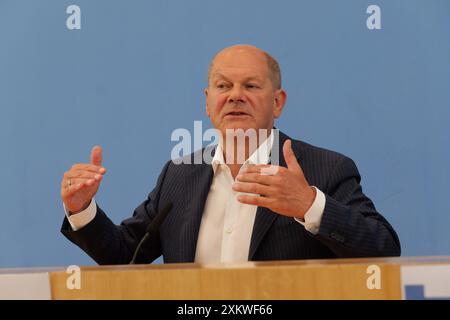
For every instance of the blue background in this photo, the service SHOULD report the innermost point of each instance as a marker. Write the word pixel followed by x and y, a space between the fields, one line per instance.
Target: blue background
pixel 137 69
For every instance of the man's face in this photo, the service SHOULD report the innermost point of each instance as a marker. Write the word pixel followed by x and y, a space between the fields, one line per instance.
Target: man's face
pixel 240 94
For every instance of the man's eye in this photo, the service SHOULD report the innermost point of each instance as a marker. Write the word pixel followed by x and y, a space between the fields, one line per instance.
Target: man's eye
pixel 222 86
pixel 251 86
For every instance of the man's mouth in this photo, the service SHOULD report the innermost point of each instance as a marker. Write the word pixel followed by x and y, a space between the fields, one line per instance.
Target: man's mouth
pixel 236 113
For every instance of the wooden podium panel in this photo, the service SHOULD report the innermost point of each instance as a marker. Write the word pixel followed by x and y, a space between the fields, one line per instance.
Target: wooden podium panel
pixel 313 279
pixel 300 279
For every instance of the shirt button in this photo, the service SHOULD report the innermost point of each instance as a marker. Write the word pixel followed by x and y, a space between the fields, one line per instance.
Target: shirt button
pixel 229 230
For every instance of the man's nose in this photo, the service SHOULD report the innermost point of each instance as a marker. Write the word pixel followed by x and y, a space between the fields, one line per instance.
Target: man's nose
pixel 236 95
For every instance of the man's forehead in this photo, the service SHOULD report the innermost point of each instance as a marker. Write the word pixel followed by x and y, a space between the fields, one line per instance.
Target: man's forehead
pixel 248 74
pixel 240 62
pixel 240 66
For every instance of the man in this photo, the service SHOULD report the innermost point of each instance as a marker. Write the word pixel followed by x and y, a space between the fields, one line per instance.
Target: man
pixel 311 206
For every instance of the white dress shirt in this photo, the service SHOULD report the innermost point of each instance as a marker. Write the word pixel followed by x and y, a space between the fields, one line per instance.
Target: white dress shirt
pixel 226 225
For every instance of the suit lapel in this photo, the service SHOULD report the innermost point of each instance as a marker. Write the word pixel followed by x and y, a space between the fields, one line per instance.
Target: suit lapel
pixel 197 185
pixel 265 217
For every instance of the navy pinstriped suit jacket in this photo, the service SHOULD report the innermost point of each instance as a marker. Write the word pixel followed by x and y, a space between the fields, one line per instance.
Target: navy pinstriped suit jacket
pixel 350 226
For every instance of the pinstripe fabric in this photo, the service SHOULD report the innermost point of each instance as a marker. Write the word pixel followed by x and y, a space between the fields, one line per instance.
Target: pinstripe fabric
pixel 351 226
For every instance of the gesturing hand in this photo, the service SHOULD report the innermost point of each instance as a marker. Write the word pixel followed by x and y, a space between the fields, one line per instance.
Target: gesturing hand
pixel 282 190
pixel 81 182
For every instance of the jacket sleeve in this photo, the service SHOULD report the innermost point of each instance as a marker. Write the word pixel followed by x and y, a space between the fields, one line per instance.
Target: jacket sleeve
pixel 351 226
pixel 108 243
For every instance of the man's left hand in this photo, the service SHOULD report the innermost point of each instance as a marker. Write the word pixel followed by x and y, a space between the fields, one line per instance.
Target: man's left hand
pixel 282 190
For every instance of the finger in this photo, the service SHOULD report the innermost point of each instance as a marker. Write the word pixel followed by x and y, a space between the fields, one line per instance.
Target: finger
pixel 82 174
pixel 257 168
pixel 255 188
pixel 68 191
pixel 96 156
pixel 67 183
pixel 263 169
pixel 255 200
pixel 290 157
pixel 256 177
pixel 88 167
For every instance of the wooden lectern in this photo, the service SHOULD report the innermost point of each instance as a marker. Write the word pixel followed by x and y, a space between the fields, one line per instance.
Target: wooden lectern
pixel 307 279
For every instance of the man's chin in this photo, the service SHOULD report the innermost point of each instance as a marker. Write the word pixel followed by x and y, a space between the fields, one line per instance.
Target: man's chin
pixel 239 126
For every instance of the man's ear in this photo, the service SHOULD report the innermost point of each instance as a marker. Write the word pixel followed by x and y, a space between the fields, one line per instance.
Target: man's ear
pixel 206 102
pixel 280 100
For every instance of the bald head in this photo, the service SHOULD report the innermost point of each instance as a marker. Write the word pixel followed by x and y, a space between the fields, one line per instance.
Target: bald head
pixel 273 67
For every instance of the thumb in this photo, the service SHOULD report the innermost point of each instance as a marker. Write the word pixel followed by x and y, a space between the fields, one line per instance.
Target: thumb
pixel 290 158
pixel 96 156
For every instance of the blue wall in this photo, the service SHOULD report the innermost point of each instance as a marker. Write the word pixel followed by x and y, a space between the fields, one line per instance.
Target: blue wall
pixel 136 71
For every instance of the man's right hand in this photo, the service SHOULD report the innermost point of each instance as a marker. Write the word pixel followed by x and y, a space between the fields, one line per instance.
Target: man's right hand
pixel 80 184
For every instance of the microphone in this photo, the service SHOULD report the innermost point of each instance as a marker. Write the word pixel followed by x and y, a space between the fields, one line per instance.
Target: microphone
pixel 151 232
